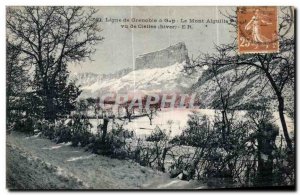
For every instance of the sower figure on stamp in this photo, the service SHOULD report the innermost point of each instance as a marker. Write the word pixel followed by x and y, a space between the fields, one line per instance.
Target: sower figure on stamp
pixel 255 25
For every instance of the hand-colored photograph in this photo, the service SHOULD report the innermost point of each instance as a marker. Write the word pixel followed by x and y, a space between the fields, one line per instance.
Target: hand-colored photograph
pixel 150 98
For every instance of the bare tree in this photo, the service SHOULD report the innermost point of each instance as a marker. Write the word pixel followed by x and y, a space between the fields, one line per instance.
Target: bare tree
pixel 129 111
pixel 51 38
pixel 151 112
pixel 278 69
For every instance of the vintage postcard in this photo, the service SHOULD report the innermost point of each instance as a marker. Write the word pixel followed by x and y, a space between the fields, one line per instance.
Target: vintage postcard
pixel 143 98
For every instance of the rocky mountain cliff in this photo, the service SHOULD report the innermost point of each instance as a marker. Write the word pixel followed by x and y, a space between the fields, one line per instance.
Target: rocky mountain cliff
pixel 174 54
pixel 158 71
pixel 169 79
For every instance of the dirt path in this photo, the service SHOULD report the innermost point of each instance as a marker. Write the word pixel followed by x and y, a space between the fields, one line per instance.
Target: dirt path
pixel 37 163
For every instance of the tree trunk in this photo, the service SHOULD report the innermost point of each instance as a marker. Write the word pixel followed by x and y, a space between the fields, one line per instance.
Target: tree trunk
pixel 266 142
pixel 283 123
pixel 164 154
pixel 280 110
pixel 223 127
pixel 128 114
pixel 104 128
pixel 49 108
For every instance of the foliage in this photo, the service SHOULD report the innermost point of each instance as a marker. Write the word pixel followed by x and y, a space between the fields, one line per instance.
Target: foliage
pixel 154 151
pixel 46 128
pixel 50 38
pixel 62 133
pixel 80 130
pixel 157 135
pixel 248 156
pixel 17 83
pixel 25 125
pixel 113 145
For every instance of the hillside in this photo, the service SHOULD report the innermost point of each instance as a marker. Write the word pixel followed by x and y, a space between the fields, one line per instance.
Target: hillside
pixel 37 163
pixel 168 79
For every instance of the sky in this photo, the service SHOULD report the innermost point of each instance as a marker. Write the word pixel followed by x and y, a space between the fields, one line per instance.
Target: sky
pixel 121 46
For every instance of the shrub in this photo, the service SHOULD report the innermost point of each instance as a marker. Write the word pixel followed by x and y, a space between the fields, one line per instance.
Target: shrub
pixel 80 138
pixel 25 125
pixel 157 135
pixel 62 133
pixel 80 131
pixel 46 128
pixel 113 144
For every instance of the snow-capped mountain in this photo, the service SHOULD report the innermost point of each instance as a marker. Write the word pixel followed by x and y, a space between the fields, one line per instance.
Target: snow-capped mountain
pixel 151 80
pixel 159 71
pixel 164 71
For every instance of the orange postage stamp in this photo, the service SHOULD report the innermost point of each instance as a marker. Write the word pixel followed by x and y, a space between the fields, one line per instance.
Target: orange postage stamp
pixel 257 29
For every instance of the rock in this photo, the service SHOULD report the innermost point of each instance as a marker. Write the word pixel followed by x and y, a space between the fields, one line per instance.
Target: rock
pixel 180 176
pixel 143 169
pixel 174 54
